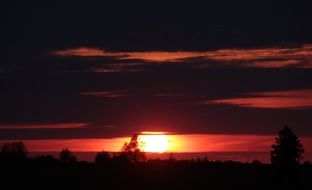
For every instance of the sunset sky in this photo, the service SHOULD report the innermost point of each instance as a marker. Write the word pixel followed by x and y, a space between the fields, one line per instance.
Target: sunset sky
pixel 213 75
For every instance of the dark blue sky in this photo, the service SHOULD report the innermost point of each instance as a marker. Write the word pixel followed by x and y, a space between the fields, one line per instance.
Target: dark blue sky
pixel 118 67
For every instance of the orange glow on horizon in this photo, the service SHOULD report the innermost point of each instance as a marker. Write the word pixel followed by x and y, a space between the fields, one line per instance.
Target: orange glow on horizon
pixel 176 143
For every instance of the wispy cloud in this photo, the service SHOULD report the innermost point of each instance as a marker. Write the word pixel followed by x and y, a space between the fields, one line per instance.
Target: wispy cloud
pixel 118 94
pixel 169 94
pixel 155 56
pixel 116 67
pixel 106 94
pixel 44 126
pixel 86 51
pixel 300 57
pixel 112 70
pixel 293 99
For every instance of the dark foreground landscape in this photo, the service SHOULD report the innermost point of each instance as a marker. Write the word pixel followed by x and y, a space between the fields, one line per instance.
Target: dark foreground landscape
pixel 130 169
pixel 48 173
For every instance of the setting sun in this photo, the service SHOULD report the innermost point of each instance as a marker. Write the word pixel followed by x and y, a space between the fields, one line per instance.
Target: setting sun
pixel 154 142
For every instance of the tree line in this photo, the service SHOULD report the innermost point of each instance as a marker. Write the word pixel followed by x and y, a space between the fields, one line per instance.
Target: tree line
pixel 286 151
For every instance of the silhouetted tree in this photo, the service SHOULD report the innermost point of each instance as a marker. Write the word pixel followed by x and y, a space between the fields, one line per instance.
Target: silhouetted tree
pixel 66 156
pixel 132 150
pixel 15 151
pixel 288 149
pixel 102 158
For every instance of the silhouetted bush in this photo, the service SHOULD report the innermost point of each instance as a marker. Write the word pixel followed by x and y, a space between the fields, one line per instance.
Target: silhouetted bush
pixel 66 156
pixel 47 160
pixel 102 158
pixel 307 163
pixel 256 162
pixel 171 157
pixel 120 159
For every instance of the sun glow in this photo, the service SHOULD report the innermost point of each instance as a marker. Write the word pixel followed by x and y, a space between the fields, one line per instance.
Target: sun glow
pixel 153 142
